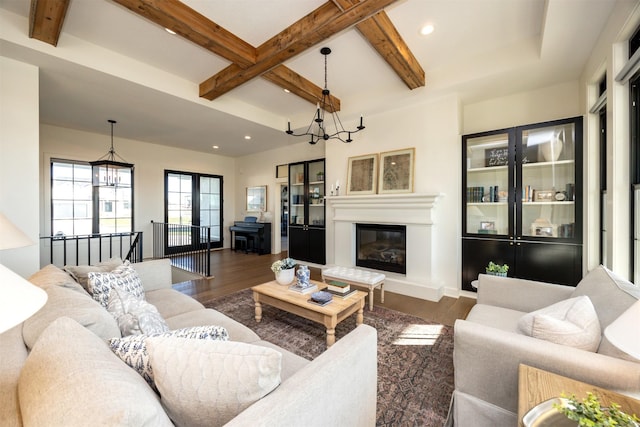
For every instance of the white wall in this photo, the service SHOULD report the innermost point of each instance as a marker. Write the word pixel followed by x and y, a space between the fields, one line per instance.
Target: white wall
pixel 433 128
pixel 150 162
pixel 19 121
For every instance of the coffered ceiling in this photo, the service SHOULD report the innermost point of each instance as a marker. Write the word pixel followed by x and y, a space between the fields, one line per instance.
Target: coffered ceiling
pixel 222 75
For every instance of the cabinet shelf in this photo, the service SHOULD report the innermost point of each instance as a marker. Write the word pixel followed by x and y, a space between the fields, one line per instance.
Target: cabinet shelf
pixel 548 164
pixel 488 169
pixel 496 204
pixel 567 203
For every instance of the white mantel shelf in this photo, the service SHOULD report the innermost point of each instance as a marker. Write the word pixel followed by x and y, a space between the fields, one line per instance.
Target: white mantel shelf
pixel 415 211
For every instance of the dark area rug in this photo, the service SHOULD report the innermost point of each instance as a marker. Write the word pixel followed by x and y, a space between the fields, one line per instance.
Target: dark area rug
pixel 415 365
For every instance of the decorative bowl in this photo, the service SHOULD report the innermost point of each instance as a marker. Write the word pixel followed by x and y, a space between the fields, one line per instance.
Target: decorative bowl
pixel 321 296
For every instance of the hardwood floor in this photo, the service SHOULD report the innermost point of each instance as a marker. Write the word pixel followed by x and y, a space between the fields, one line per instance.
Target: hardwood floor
pixel 234 271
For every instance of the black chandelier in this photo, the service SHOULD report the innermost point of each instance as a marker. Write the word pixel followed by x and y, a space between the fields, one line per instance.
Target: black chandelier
pixel 319 130
pixel 108 172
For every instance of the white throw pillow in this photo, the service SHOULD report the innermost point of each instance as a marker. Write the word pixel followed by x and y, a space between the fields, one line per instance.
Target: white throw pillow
pixel 134 316
pixel 572 322
pixel 208 383
pixel 124 277
pixel 133 350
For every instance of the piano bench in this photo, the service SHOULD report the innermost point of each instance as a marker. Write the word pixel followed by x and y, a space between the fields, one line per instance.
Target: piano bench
pixel 241 243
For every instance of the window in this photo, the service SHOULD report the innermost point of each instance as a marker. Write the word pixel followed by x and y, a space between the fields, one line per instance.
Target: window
pixel 634 150
pixel 71 198
pixel 78 208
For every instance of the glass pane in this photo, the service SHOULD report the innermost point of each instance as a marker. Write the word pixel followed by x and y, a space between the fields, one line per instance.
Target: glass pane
pixel 83 226
pixel 548 182
pixel 62 171
pixel 82 191
pixel 173 200
pixel 173 182
pixel 185 184
pixel 62 190
pixel 82 209
pixel 62 210
pixel 82 173
pixel 205 185
pixel 62 227
pixel 296 194
pixel 488 185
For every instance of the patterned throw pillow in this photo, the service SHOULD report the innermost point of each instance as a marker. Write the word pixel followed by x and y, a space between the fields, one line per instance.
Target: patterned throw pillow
pixel 134 316
pixel 124 277
pixel 133 350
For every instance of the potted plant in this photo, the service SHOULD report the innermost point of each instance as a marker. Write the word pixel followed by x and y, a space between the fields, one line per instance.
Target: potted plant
pixel 590 413
pixel 497 269
pixel 284 270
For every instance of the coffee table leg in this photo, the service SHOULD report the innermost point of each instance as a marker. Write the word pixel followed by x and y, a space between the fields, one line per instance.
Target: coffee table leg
pixel 371 298
pixel 258 306
pixel 331 337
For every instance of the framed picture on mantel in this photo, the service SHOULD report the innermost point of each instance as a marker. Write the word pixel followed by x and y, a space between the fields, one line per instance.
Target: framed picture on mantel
pixel 396 171
pixel 361 177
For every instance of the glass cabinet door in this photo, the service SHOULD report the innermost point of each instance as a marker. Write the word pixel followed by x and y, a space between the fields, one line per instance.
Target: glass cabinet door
pixel 547 182
pixel 487 179
pixel 316 193
pixel 296 194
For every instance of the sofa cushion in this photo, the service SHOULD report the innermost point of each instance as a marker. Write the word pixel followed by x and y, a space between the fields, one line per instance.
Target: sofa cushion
pixel 133 350
pixel 170 302
pixel 13 354
pixel 207 383
pixel 623 332
pixel 610 294
pixel 207 316
pixel 496 317
pixel 71 378
pixel 291 362
pixel 81 272
pixel 79 306
pixel 50 275
pixel 134 316
pixel 571 322
pixel 124 277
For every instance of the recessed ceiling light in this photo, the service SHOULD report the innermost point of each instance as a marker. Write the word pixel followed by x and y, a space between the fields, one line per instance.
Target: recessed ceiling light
pixel 215 147
pixel 287 91
pixel 170 31
pixel 247 137
pixel 427 29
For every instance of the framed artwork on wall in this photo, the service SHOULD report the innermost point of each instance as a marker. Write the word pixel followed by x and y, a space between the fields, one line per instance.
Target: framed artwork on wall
pixel 361 175
pixel 396 171
pixel 257 198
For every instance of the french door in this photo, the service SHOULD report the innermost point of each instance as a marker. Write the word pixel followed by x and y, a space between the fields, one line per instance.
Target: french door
pixel 193 211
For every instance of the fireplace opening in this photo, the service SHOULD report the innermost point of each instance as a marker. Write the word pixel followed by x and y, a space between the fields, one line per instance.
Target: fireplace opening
pixel 381 247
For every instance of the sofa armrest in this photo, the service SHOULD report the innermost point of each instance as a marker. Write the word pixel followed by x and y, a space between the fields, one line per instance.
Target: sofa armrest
pixel 482 354
pixel 519 294
pixel 154 274
pixel 338 388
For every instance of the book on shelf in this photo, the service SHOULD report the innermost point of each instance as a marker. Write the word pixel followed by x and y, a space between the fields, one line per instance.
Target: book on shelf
pixel 338 286
pixel 341 294
pixel 303 289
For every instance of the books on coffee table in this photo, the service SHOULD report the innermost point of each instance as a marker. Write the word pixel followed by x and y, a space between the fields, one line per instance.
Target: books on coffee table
pixel 303 289
pixel 341 294
pixel 338 286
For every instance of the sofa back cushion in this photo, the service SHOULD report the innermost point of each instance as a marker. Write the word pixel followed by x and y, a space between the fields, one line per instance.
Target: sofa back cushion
pixel 63 301
pixel 610 294
pixel 50 275
pixel 71 378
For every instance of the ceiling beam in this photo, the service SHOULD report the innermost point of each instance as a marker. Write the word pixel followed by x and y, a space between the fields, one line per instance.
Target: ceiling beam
pixel 200 30
pixel 46 18
pixel 385 38
pixel 319 25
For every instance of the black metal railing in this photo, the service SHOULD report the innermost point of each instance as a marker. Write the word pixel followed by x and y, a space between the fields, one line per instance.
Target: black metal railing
pixel 90 249
pixel 188 246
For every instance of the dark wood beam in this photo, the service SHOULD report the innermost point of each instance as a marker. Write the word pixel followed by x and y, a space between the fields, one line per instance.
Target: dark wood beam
pixel 384 37
pixel 46 18
pixel 305 33
pixel 298 85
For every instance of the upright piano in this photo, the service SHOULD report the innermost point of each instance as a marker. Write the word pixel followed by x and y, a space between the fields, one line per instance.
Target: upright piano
pixel 258 234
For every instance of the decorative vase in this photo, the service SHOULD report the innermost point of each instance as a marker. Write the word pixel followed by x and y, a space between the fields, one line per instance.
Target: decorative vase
pixel 495 273
pixel 552 149
pixel 303 274
pixel 285 277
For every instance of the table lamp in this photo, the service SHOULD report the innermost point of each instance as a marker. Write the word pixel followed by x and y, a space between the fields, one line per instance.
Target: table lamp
pixel 19 299
pixel 623 332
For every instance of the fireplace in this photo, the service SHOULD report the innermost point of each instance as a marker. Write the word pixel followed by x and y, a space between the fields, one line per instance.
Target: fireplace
pixel 381 247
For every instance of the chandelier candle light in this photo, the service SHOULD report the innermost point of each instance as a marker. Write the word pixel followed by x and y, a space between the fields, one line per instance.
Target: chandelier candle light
pixel 326 105
pixel 107 171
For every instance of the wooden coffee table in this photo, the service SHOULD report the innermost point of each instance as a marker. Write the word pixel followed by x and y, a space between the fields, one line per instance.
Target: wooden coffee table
pixel 279 296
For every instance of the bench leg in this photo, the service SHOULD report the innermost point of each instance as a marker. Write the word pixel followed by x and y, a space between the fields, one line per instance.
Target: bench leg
pixel 382 292
pixel 371 298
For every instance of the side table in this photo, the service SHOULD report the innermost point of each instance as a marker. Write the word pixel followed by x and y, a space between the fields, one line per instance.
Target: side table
pixel 535 386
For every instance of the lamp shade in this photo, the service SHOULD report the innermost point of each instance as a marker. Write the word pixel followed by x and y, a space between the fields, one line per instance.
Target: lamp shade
pixel 19 299
pixel 11 236
pixel 623 332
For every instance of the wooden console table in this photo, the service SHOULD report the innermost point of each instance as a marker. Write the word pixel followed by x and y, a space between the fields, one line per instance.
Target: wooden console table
pixel 535 386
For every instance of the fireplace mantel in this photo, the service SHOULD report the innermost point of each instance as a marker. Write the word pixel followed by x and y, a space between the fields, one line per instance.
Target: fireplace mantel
pixel 416 211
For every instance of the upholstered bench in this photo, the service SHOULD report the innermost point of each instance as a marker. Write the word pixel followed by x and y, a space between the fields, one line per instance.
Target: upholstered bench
pixel 357 277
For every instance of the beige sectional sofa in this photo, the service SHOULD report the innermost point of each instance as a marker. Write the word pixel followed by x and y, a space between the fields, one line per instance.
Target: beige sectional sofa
pixel 493 340
pixel 57 368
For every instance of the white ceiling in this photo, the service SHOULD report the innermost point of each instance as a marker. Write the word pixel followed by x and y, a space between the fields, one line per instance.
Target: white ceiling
pixel 480 49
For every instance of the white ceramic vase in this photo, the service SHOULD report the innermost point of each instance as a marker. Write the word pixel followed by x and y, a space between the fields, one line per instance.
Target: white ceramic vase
pixel 285 277
pixel 552 149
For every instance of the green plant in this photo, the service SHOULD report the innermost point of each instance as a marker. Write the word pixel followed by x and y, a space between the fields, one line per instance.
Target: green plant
pixel 589 412
pixel 497 268
pixel 283 264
